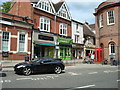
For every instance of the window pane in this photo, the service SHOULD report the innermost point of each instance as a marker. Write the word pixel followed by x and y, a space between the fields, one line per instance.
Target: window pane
pixel 21 42
pixel 5 41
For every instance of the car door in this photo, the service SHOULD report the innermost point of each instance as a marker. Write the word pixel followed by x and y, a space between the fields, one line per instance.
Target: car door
pixel 47 65
pixel 38 66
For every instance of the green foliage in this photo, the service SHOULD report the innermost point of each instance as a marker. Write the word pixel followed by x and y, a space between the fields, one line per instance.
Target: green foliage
pixel 5 7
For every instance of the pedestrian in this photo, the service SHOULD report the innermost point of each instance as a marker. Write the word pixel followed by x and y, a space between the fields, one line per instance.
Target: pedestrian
pixel 92 58
pixel 89 54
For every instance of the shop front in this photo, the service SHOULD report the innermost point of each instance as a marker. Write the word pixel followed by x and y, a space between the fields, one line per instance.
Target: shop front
pixel 65 48
pixel 77 51
pixel 43 50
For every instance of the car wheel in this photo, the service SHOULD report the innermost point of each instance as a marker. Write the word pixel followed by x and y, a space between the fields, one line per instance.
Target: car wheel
pixel 27 71
pixel 57 69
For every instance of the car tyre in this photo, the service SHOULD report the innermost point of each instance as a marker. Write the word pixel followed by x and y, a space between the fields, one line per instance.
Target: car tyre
pixel 57 70
pixel 27 71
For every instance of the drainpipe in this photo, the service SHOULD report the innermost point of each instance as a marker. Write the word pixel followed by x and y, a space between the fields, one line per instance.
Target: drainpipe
pixel 56 37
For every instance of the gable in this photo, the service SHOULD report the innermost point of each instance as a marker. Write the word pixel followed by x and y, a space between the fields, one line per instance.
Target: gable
pixel 64 12
pixel 45 5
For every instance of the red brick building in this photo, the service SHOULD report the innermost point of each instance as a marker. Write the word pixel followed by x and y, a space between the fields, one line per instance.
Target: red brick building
pixel 50 21
pixel 15 37
pixel 107 26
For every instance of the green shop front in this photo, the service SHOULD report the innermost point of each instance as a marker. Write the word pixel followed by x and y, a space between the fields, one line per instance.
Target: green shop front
pixel 65 48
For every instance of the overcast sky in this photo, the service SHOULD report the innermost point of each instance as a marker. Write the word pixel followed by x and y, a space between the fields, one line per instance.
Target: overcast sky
pixel 80 10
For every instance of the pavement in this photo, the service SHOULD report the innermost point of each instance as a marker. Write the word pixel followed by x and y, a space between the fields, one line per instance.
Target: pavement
pixel 8 65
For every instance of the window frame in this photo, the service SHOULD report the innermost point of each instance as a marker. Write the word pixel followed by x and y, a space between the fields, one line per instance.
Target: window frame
pixel 8 41
pixel 101 20
pixel 112 46
pixel 64 29
pixel 112 17
pixel 43 23
pixel 25 42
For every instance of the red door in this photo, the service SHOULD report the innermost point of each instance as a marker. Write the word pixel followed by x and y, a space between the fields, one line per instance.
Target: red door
pixel 98 55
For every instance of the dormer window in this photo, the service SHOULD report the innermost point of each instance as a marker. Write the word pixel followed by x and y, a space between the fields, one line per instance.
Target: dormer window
pixel 45 5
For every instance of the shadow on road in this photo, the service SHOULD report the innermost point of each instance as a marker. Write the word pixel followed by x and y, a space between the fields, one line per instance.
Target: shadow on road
pixel 2 74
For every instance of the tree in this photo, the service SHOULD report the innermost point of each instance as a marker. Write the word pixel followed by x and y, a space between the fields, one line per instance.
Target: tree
pixel 5 7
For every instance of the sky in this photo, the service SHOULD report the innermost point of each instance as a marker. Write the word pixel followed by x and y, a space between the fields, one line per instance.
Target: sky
pixel 80 10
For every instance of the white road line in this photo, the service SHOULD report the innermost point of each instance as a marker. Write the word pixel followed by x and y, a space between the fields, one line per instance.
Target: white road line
pixel 72 73
pixel 23 78
pixel 86 86
pixel 7 80
pixel 107 71
pixel 93 73
pixel 118 80
pixel 1 81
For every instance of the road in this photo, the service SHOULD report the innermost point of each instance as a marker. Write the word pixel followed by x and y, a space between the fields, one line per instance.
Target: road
pixel 74 77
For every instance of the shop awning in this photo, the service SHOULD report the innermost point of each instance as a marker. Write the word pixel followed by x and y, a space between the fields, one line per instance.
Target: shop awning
pixel 46 44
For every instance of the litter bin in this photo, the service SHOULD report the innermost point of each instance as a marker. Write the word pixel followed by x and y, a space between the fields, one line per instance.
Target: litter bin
pixel 26 59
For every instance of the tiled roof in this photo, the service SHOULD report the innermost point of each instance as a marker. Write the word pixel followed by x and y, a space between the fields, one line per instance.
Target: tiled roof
pixel 87 31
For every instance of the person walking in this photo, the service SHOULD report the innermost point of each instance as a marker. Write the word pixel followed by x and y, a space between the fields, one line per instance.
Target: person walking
pixel 92 58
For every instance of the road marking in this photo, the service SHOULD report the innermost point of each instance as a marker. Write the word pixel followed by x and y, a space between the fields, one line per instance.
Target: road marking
pixel 86 86
pixel 118 80
pixel 107 71
pixel 7 80
pixel 93 73
pixel 23 78
pixel 72 73
pixel 1 81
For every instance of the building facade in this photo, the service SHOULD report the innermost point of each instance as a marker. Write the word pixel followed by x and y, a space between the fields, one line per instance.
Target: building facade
pixel 15 37
pixel 108 29
pixel 89 39
pixel 77 36
pixel 52 27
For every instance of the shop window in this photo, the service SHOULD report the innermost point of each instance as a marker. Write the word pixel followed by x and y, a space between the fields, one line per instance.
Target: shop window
pixel 5 41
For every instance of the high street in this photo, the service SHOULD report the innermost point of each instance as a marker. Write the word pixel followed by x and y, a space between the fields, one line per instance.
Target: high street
pixel 74 77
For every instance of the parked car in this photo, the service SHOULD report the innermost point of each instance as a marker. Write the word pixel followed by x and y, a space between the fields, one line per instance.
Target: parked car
pixel 38 66
pixel 0 66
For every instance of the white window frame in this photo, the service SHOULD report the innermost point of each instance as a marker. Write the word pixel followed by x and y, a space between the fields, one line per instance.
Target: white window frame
pixel 77 38
pixel 44 5
pixel 108 19
pixel 43 24
pixel 64 29
pixel 101 20
pixel 110 52
pixel 25 43
pixel 8 41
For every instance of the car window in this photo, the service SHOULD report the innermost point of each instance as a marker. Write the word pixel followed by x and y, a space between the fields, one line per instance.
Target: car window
pixel 48 60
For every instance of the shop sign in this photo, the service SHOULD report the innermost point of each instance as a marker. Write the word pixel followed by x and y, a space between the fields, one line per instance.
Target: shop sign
pixel 64 40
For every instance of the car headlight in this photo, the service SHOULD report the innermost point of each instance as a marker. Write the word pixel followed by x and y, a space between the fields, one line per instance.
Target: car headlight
pixel 20 66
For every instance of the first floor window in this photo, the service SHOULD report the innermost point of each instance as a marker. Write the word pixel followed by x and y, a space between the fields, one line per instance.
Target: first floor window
pixel 110 17
pixel 101 20
pixel 76 38
pixel 44 24
pixel 21 42
pixel 112 48
pixel 63 29
pixel 5 41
